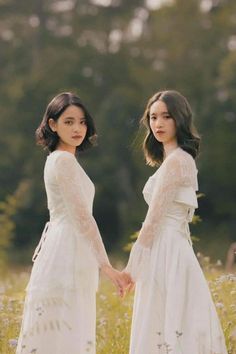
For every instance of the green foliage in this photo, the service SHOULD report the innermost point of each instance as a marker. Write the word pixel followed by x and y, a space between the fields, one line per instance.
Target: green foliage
pixel 128 246
pixel 115 57
pixel 8 210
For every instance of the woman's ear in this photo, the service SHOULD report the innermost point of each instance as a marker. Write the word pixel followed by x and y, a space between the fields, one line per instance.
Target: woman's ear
pixel 52 124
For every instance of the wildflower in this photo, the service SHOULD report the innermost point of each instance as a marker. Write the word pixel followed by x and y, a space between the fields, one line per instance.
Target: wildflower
pixel 2 289
pixel 13 342
pixel 126 315
pixel 219 305
pixel 102 322
pixel 103 297
pixel 233 333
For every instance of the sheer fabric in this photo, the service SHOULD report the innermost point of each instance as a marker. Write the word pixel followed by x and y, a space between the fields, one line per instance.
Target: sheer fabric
pixel 178 170
pixel 60 305
pixel 173 310
pixel 69 175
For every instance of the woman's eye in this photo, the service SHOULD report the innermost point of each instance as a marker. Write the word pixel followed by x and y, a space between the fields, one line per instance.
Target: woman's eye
pixel 68 122
pixel 83 122
pixel 153 117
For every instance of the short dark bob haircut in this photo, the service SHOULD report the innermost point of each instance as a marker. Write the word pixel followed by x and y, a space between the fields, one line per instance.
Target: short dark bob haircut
pixel 49 139
pixel 186 134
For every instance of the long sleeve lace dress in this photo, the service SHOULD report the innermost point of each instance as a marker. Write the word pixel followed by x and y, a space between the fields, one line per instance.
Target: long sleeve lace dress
pixel 173 309
pixel 60 305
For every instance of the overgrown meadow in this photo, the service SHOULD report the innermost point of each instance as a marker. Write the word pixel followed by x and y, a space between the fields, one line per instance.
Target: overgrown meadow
pixel 113 313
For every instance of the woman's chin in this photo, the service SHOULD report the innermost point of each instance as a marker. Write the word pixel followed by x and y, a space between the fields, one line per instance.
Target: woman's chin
pixel 159 139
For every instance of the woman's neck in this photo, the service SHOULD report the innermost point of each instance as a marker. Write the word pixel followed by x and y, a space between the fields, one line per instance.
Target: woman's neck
pixel 169 148
pixel 64 147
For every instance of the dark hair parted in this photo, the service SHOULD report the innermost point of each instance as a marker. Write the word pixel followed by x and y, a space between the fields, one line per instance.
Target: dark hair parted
pixel 186 134
pixel 49 139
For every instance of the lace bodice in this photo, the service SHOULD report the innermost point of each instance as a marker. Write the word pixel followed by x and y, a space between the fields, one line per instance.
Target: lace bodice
pixel 168 192
pixel 70 195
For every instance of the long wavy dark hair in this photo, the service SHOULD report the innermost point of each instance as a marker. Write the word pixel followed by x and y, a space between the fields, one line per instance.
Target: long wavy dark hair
pixel 49 139
pixel 186 134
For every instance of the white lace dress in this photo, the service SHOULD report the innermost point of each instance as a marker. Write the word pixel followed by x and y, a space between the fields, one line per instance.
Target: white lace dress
pixel 60 306
pixel 173 309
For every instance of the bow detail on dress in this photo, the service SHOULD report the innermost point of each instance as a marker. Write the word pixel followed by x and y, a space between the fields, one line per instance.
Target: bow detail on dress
pixel 42 240
pixel 185 229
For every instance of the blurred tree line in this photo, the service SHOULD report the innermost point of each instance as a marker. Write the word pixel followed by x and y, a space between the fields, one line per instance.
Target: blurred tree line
pixel 115 54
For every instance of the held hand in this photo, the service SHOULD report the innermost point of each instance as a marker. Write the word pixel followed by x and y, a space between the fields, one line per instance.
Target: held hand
pixel 117 278
pixel 130 284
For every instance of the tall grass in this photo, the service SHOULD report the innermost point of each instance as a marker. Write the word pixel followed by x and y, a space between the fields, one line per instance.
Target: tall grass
pixel 113 314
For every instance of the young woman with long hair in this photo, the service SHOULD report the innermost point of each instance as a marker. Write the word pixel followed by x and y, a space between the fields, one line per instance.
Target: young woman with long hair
pixel 173 309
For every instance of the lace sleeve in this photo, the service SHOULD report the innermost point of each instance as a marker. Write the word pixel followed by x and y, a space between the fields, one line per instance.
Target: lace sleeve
pixel 175 171
pixel 68 176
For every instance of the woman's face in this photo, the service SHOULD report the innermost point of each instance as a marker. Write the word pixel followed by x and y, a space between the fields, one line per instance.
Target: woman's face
pixel 71 128
pixel 162 124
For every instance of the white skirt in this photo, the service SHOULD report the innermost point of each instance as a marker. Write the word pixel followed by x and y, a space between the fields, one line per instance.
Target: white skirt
pixel 173 309
pixel 60 306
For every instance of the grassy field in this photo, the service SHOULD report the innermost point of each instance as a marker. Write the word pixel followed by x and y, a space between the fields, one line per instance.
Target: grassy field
pixel 113 314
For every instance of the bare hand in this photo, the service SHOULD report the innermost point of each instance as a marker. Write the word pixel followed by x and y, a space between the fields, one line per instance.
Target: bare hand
pixel 118 279
pixel 130 284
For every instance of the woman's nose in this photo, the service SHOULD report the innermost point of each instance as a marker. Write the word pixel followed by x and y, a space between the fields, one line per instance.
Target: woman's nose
pixel 159 122
pixel 76 127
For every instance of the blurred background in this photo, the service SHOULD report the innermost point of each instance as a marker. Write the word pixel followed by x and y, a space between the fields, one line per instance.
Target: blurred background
pixel 115 54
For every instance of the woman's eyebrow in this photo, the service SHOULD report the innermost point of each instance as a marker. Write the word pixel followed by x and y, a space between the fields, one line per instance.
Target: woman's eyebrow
pixel 154 113
pixel 72 118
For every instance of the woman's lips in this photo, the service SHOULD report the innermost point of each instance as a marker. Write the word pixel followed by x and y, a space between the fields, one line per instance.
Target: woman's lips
pixel 76 137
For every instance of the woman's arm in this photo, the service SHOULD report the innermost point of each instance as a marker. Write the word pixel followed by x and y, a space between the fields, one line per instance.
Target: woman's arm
pixel 74 195
pixel 69 179
pixel 177 170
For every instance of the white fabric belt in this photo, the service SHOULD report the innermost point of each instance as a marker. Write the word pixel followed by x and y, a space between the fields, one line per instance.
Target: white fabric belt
pixel 41 242
pixel 186 231
pixel 182 225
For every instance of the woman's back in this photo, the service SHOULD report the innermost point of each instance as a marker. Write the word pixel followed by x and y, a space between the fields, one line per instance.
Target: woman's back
pixel 73 176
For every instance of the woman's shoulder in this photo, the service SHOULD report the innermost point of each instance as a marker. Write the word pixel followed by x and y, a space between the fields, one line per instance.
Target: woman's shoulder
pixel 61 155
pixel 180 163
pixel 61 159
pixel 180 166
pixel 180 157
